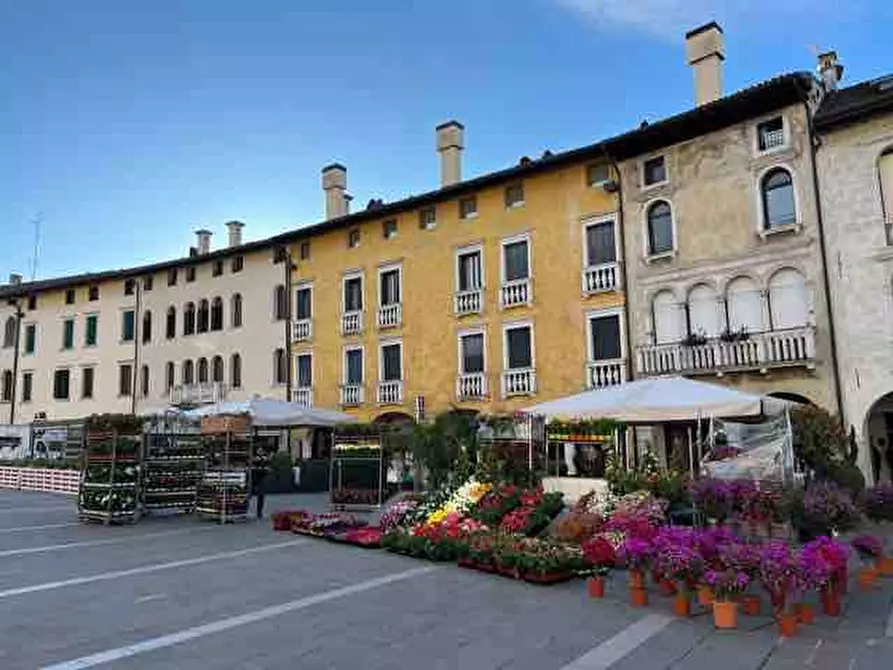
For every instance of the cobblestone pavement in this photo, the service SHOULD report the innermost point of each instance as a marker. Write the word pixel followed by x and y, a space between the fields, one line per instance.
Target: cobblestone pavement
pixel 181 594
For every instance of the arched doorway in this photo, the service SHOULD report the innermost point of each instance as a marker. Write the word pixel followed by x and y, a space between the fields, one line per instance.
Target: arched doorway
pixel 878 430
pixel 393 419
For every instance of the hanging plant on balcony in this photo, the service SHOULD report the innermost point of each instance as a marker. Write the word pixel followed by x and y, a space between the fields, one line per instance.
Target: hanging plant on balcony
pixel 695 339
pixel 740 335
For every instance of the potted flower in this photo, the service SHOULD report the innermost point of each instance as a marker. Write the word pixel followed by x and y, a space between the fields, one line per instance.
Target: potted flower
pixel 778 570
pixel 713 496
pixel 600 554
pixel 726 584
pixel 636 554
pixel 870 549
pixel 743 558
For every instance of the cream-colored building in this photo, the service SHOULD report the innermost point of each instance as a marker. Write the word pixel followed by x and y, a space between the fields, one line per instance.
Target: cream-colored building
pixel 206 327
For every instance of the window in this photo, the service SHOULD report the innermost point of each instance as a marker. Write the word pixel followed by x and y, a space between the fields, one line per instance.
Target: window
pixel 238 264
pixel 305 371
pixel 217 313
pixel 516 260
pixel 6 391
pixel 604 338
pixel 236 310
pixel 217 369
pixel 188 373
pixel 93 293
pixel 598 174
pixel 27 386
pixel 189 319
pixel 279 254
pixel 68 334
pixel 427 218
pixel 389 287
pixel 70 294
pixel 660 228
pixel 600 244
pixel 885 174
pixel 514 194
pixel 170 330
pixel 392 362
pixel 305 251
pixel 125 379
pixel 129 286
pixel 744 305
pixel 471 357
pixel 148 282
pixel 518 348
pixel 389 229
pixel 202 321
pixel 128 325
pixel 30 338
pixel 169 379
pixel 353 294
pixel 788 307
pixel 280 303
pixel 777 190
pixel 468 207
pixel 172 277
pixel 190 274
pixel 353 367
pixel 147 327
pixel 88 376
pixel 770 134
pixel 666 314
pixel 304 303
pixel 217 269
pixel 703 312
pixel 469 271
pixel 203 370
pixel 9 332
pixel 91 330
pixel 280 365
pixel 235 371
pixel 654 171
pixel 32 303
pixel 61 380
pixel 353 238
pixel 144 381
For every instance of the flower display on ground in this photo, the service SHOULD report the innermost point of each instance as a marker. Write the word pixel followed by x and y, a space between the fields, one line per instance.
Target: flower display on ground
pixel 868 546
pixel 635 553
pixel 462 500
pixel 600 553
pixel 726 583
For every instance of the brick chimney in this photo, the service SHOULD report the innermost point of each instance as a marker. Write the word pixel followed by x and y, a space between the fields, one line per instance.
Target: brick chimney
pixel 334 184
pixel 450 142
pixel 202 241
pixel 705 52
pixel 830 71
pixel 234 233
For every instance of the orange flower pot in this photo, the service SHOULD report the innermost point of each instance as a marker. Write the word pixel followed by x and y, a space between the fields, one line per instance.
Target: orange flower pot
pixel 830 602
pixel 804 613
pixel 751 604
pixel 866 578
pixel 636 579
pixel 787 625
pixel 682 605
pixel 596 586
pixel 705 595
pixel 725 614
pixel 667 587
pixel 638 597
pixel 884 566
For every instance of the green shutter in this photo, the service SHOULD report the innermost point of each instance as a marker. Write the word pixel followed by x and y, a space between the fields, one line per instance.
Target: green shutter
pixel 91 330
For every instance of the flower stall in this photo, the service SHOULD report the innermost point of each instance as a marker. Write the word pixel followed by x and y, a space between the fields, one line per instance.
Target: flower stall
pixel 357 468
pixel 111 471
pixel 173 463
pixel 224 491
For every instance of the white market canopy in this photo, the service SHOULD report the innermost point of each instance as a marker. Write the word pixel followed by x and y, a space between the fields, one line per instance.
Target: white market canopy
pixel 655 401
pixel 272 413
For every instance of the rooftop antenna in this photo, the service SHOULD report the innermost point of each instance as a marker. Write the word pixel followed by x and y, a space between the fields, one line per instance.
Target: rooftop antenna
pixel 36 221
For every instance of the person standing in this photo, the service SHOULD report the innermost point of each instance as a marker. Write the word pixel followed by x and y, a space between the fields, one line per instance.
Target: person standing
pixel 260 489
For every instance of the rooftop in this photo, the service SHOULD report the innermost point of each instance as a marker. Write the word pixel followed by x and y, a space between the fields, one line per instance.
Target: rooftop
pixel 855 103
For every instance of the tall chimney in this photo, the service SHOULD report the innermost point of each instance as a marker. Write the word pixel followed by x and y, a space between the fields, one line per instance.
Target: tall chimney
pixel 15 279
pixel 450 142
pixel 705 52
pixel 234 233
pixel 202 241
pixel 830 70
pixel 334 183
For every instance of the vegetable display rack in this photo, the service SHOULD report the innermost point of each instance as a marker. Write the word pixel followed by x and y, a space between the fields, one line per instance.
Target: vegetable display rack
pixel 225 487
pixel 356 473
pixel 110 478
pixel 172 469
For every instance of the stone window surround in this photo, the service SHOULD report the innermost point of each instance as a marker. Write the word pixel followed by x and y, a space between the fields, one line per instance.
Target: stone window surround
pixel 762 231
pixel 649 257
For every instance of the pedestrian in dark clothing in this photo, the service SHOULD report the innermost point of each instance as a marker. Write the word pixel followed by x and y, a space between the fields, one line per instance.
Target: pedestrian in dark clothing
pixel 260 490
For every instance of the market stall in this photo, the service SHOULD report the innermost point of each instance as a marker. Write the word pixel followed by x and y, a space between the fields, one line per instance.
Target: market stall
pixel 111 470
pixel 224 491
pixel 173 462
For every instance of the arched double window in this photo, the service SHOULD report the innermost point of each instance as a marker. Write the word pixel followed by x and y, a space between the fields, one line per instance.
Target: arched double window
pixel 788 304
pixel 202 370
pixel 777 193
pixel 235 371
pixel 236 310
pixel 217 313
pixel 659 218
pixel 9 332
pixel 744 306
pixel 188 373
pixel 171 325
pixel 667 316
pixel 203 316
pixel 189 319
pixel 217 369
pixel 703 312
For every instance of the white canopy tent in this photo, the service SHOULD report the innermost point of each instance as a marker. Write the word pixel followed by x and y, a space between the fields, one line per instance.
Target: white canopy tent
pixel 272 413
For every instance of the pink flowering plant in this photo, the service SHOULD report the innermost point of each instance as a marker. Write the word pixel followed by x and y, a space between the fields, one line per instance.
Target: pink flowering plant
pixel 635 553
pixel 726 583
pixel 778 572
pixel 869 547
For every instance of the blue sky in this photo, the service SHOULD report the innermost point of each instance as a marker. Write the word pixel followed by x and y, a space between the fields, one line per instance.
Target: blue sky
pixel 127 125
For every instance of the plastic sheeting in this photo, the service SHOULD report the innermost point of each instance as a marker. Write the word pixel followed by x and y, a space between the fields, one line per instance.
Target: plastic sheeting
pixel 765 449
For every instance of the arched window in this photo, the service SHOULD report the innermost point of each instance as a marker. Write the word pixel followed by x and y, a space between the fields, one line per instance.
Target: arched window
pixel 169 376
pixel 236 310
pixel 788 306
pixel 217 369
pixel 235 371
pixel 744 305
pixel 188 373
pixel 147 326
pixel 280 303
pixel 217 313
pixel 668 324
pixel 203 314
pixel 660 228
pixel 189 319
pixel 279 367
pixel 202 370
pixel 885 175
pixel 144 381
pixel 777 189
pixel 171 328
pixel 703 312
pixel 6 390
pixel 9 332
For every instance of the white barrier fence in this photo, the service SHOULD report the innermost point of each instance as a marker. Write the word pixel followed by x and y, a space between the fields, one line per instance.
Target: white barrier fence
pixel 49 480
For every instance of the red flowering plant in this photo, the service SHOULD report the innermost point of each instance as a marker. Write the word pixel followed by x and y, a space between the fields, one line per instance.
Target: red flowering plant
pixel 364 537
pixel 498 502
pixel 600 554
pixel 536 511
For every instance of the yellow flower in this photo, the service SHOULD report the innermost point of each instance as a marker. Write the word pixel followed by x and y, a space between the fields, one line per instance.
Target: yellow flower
pixel 438 516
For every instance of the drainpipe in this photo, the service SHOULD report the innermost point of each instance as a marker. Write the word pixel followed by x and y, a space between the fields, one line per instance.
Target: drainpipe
pixel 289 268
pixel 137 322
pixel 15 362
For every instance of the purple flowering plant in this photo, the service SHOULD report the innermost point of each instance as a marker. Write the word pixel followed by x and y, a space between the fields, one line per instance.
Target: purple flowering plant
pixel 877 502
pixel 636 553
pixel 868 546
pixel 813 568
pixel 740 557
pixel 726 583
pixel 676 555
pixel 778 571
pixel 828 507
pixel 714 496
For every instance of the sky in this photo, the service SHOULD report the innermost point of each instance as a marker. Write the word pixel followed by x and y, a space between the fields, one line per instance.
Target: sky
pixel 127 125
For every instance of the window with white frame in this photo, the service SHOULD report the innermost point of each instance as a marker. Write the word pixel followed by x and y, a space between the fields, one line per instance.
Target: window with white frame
pixel 667 318
pixel 353 366
pixel 605 343
pixel 516 259
pixel 788 305
pixel 471 353
pixel 601 246
pixel 779 203
pixel 469 270
pixel 428 218
pixel 519 347
pixel 305 371
pixel 770 134
pixel 353 293
pixel 514 194
pixel 391 369
pixel 659 222
pixel 304 303
pixel 744 305
pixel 389 229
pixel 598 173
pixel 389 286
pixel 468 207
pixel 654 171
pixel 703 311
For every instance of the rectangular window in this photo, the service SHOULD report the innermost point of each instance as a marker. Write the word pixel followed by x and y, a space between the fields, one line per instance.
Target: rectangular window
pixel 353 238
pixel 472 352
pixel 353 294
pixel 129 286
pixel 604 333
pixel 90 333
pixel 125 379
pixel 391 362
pixel 390 287
pixel 516 260
pixel 217 269
pixel 32 303
pixel 600 244
pixel 514 194
pixel 6 391
pixel 470 271
pixel 61 380
pixel 190 274
pixel 68 334
pixel 770 134
pixel 127 326
pixel 87 378
pixel 69 296
pixel 389 229
pixel 468 207
pixel 172 277
pixel 519 354
pixel 305 371
pixel 353 366
pixel 654 171
pixel 427 218
pixel 304 303
pixel 93 293
pixel 305 251
pixel 169 376
pixel 598 174
pixel 148 283
pixel 27 386
pixel 30 338
pixel 238 263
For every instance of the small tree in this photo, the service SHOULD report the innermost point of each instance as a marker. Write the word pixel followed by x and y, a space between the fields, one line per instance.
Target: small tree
pixel 822 445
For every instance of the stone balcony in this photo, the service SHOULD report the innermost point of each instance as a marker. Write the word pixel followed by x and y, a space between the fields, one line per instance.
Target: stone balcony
pixel 303 330
pixel 352 323
pixel 471 386
pixel 469 302
pixel 516 293
pixel 351 395
pixel 204 393
pixel 303 397
pixel 602 374
pixel 390 316
pixel 518 382
pixel 601 278
pixel 390 392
